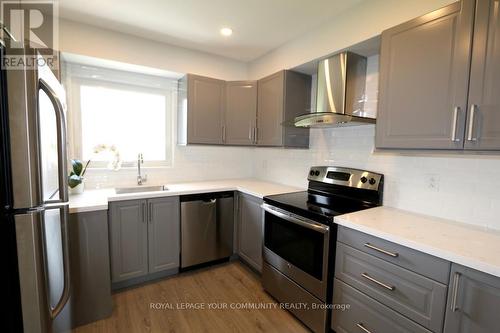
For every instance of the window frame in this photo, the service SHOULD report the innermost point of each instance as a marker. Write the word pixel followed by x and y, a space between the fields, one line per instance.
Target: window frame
pixel 76 75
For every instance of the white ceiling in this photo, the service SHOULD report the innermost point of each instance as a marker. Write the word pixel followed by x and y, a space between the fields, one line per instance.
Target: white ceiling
pixel 258 25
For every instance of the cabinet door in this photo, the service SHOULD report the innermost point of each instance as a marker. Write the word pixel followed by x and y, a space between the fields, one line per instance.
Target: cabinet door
pixel 129 240
pixel 240 113
pixel 483 120
pixel 270 103
pixel 205 109
pixel 473 302
pixel 164 233
pixel 250 230
pixel 424 66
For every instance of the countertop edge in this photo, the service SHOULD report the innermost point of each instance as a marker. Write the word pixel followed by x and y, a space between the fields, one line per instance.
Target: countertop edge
pixel 436 252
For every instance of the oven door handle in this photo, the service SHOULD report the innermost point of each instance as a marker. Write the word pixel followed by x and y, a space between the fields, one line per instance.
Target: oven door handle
pixel 306 223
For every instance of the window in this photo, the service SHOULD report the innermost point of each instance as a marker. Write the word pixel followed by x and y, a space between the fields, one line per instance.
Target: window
pixel 128 111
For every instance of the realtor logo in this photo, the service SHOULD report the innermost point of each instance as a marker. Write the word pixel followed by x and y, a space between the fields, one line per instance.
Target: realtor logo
pixel 30 24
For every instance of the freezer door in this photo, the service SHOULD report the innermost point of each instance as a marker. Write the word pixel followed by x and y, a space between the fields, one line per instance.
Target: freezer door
pixel 42 245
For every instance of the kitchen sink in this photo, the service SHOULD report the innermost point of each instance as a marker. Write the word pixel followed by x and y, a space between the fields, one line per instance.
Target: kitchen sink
pixel 137 189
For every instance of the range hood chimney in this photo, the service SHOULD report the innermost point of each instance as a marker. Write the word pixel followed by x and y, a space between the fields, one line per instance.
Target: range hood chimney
pixel 340 94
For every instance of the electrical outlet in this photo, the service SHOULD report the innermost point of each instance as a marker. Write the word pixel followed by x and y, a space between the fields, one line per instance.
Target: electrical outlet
pixel 432 181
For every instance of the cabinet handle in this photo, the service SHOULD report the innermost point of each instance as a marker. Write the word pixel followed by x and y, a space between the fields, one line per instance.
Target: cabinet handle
pixel 143 207
pixel 373 247
pixel 224 134
pixel 150 212
pixel 250 134
pixel 456 281
pixel 255 136
pixel 454 126
pixel 363 328
pixel 470 134
pixel 386 286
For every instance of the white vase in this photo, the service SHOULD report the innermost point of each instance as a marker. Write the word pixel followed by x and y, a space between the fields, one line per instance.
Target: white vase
pixel 78 189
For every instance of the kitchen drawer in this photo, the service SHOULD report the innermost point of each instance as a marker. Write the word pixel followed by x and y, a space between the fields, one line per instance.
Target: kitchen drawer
pixel 424 264
pixel 366 312
pixel 415 296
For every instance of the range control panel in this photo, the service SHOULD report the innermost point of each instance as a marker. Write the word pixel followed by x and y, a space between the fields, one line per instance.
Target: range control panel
pixel 346 177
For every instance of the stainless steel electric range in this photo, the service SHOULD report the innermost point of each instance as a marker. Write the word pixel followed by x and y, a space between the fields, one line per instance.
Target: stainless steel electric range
pixel 300 236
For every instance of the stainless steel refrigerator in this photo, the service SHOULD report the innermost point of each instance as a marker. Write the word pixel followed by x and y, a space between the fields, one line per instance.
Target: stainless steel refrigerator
pixel 33 197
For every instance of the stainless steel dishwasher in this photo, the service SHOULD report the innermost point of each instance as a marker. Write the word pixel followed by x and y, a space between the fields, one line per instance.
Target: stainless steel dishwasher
pixel 207 224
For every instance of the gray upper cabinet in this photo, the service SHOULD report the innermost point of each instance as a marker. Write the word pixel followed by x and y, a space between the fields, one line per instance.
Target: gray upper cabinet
pixel 250 230
pixel 473 302
pixel 201 110
pixel 483 123
pixel 163 233
pixel 240 113
pixel 282 97
pixel 129 240
pixel 424 76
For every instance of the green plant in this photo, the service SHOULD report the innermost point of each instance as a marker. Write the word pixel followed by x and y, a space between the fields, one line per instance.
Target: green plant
pixel 75 177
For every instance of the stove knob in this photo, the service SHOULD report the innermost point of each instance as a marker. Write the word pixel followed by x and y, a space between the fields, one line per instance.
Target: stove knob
pixel 316 173
pixel 372 181
pixel 364 179
pixel 311 173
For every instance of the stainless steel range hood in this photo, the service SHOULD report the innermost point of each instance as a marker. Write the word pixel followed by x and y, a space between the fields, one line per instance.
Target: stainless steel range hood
pixel 340 93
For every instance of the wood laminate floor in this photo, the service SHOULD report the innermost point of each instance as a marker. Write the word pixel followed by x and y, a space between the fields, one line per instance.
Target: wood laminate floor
pixel 227 285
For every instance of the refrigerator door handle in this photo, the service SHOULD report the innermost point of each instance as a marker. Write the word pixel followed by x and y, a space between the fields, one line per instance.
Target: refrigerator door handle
pixel 61 138
pixel 54 311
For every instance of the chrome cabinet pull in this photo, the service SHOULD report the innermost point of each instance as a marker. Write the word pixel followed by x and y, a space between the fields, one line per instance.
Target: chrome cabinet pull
pixel 454 125
pixel 386 286
pixel 456 282
pixel 250 134
pixel 373 247
pixel 224 134
pixel 143 208
pixel 470 134
pixel 255 135
pixel 150 213
pixel 363 328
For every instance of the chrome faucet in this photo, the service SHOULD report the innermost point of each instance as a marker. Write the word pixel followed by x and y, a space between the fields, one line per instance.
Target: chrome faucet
pixel 140 178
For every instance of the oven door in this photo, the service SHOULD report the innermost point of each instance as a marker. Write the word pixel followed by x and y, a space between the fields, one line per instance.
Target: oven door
pixel 298 248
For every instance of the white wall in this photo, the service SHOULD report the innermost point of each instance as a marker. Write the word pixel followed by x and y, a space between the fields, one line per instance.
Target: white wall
pixel 364 21
pixel 83 39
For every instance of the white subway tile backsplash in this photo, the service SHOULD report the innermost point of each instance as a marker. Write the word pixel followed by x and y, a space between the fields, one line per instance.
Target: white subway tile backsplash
pixel 468 185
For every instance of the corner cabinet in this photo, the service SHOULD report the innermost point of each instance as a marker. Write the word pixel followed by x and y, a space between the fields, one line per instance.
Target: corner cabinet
pixel 243 113
pixel 282 97
pixel 201 110
pixel 250 230
pixel 473 302
pixel 145 237
pixel 240 113
pixel 424 75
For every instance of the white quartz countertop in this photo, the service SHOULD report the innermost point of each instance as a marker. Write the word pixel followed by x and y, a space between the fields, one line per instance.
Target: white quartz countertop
pixel 459 243
pixel 94 200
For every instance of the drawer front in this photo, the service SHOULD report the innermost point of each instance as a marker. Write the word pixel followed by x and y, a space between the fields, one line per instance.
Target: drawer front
pixel 424 264
pixel 415 296
pixel 366 313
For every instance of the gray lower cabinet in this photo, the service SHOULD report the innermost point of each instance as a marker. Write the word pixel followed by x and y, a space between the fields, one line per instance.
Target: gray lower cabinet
pixel 250 230
pixel 424 77
pixel 144 237
pixel 483 130
pixel 240 113
pixel 366 314
pixel 201 110
pixel 282 97
pixel 163 233
pixel 90 298
pixel 473 302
